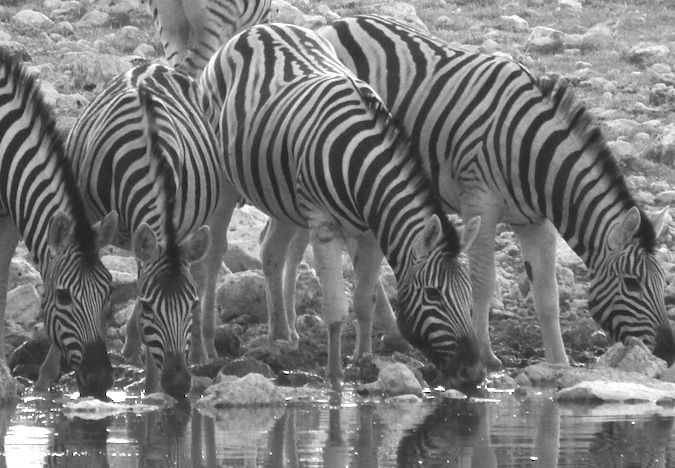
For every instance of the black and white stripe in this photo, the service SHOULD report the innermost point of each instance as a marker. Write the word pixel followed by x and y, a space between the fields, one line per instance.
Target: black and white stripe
pixel 144 148
pixel 313 147
pixel 40 203
pixel 500 144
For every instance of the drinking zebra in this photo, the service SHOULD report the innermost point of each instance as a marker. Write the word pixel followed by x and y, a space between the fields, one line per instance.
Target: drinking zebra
pixel 40 203
pixel 114 146
pixel 499 144
pixel 313 147
pixel 191 32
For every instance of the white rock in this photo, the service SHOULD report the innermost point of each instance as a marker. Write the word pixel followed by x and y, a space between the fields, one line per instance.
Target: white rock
pixel 23 305
pixel 404 12
pixel 571 4
pixel 545 40
pixel 615 391
pixel 250 390
pixel 145 50
pixel 21 272
pixel 398 379
pixel 94 19
pixel 325 11
pixel 616 128
pixel 513 23
pixel 283 12
pixel 649 53
pixel 128 38
pixel 621 149
pixel 31 18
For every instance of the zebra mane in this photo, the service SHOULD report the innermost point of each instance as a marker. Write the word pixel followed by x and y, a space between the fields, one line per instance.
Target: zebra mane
pixel 45 122
pixel 583 126
pixel 402 144
pixel 161 171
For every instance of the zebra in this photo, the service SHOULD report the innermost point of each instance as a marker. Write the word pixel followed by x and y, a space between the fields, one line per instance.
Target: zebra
pixel 507 147
pixel 191 32
pixel 313 147
pixel 40 203
pixel 153 113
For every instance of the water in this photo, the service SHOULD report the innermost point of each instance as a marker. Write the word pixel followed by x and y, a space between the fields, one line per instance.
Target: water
pixel 347 432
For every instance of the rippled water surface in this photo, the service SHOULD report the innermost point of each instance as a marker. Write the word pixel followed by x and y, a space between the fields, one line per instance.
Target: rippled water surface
pixel 502 431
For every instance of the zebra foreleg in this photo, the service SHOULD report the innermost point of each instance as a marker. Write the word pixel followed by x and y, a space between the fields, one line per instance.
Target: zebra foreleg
pixel 132 339
pixel 204 325
pixel 9 237
pixel 328 254
pixel 273 256
pixel 367 259
pixel 294 255
pixel 538 243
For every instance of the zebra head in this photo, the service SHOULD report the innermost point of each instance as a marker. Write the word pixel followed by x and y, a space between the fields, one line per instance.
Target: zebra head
pixel 626 293
pixel 435 306
pixel 76 302
pixel 168 298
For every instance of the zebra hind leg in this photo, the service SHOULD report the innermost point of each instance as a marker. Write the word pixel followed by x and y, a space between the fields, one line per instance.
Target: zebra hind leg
pixel 9 238
pixel 296 251
pixel 273 256
pixel 328 253
pixel 49 370
pixel 538 243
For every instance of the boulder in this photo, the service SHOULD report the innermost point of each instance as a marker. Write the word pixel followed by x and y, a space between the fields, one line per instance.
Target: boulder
pixel 545 40
pixel 23 306
pixel 242 293
pixel 635 357
pixel 398 379
pixel 245 366
pixel 283 12
pixel 31 18
pixel 512 23
pixel 128 38
pixel 94 19
pixel 250 390
pixel 613 129
pixel 237 259
pixel 603 391
pixel 21 272
pixel 621 149
pixel 646 54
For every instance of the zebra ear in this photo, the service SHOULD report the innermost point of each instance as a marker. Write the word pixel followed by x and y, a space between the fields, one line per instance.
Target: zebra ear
pixel 144 244
pixel 469 233
pixel 59 231
pixel 429 238
pixel 194 248
pixel 660 219
pixel 106 229
pixel 624 230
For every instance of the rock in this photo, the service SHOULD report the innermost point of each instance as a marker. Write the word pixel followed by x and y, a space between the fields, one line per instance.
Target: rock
pixel 127 38
pixel 31 352
pixel 325 11
pixel 544 40
pixel 407 399
pixel 489 46
pixel 512 23
pixel 660 94
pixel 21 272
pixel 295 378
pixel 145 50
pixel 4 35
pixel 67 10
pixel 308 292
pixel 210 369
pixel 159 399
pixel 570 4
pixel 23 305
pixel 200 384
pixel 621 149
pixel 227 343
pixel 503 382
pixel 572 41
pixel 122 317
pixel 404 12
pixel 237 259
pixel 645 54
pixel 635 357
pixel 89 69
pixel 250 390
pixel 602 391
pixel 94 19
pixel 31 18
pixel 283 12
pixel 8 388
pixel 244 366
pixel 242 293
pixel 398 379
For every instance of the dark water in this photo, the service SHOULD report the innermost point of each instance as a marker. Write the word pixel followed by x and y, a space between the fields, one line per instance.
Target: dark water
pixel 503 431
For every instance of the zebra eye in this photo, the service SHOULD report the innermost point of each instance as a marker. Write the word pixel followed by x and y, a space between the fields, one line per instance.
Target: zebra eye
pixel 63 298
pixel 433 294
pixel 632 285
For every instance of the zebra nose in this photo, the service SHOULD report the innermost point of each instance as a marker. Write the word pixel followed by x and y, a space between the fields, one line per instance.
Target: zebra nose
pixel 471 376
pixel 176 378
pixel 95 373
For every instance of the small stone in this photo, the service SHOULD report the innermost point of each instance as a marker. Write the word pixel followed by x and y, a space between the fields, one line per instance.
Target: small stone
pixel 94 19
pixel 398 379
pixel 250 390
pixel 31 18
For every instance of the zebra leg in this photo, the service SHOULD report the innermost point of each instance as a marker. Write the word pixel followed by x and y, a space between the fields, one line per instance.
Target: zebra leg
pixel 132 341
pixel 204 321
pixel 9 238
pixel 384 320
pixel 537 243
pixel 294 254
pixel 49 370
pixel 328 253
pixel 482 261
pixel 367 259
pixel 273 256
pixel 151 374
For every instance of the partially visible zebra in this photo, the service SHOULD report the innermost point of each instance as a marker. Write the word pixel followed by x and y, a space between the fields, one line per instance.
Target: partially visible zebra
pixel 191 32
pixel 312 146
pixel 115 147
pixel 502 145
pixel 40 203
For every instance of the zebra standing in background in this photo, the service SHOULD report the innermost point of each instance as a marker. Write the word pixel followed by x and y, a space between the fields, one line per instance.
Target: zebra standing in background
pixel 312 146
pixel 112 151
pixel 191 32
pixel 499 144
pixel 40 203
